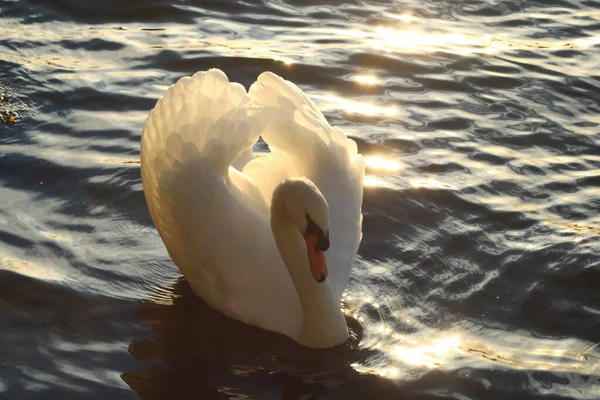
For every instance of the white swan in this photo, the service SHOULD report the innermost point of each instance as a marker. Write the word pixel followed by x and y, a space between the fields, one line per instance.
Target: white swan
pixel 250 234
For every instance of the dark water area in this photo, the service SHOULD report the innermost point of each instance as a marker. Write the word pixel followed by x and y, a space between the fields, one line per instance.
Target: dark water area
pixel 478 276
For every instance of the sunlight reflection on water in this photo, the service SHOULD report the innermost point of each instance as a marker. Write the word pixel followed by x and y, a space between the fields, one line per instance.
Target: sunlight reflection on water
pixel 469 346
pixel 381 163
pixel 30 269
pixel 357 107
pixel 430 355
pixel 421 39
pixel 441 133
pixel 366 79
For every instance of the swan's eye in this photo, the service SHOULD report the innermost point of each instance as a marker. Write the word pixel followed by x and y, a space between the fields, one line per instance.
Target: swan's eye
pixel 323 242
pixel 317 242
pixel 314 229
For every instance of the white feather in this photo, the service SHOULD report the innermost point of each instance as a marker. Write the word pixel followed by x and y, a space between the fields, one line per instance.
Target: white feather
pixel 214 218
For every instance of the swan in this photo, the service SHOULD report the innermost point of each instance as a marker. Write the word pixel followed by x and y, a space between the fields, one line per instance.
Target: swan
pixel 268 240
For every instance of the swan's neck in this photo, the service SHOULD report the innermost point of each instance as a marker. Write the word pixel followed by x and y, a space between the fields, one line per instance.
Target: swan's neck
pixel 323 324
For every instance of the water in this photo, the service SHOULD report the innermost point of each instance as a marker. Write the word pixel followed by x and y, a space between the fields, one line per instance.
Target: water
pixel 478 273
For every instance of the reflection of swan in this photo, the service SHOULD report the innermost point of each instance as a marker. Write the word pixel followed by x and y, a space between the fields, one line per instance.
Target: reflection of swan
pixel 194 352
pixel 214 218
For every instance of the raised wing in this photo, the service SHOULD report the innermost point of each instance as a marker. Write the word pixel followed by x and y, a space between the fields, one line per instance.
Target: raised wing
pixel 303 143
pixel 211 217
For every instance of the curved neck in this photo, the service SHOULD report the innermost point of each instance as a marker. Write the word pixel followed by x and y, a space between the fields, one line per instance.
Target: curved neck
pixel 323 323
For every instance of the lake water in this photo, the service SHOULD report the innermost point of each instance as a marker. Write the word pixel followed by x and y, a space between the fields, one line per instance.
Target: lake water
pixel 478 275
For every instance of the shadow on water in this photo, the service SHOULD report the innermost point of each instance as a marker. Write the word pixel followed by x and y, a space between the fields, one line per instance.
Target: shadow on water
pixel 199 353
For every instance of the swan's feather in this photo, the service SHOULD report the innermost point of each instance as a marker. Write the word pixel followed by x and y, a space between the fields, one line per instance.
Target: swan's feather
pixel 211 217
pixel 209 198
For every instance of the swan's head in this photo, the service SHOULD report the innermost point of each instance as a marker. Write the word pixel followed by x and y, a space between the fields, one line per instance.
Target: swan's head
pixel 307 208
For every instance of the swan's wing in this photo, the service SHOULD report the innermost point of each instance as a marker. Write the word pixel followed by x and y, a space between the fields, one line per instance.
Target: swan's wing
pixel 211 217
pixel 304 144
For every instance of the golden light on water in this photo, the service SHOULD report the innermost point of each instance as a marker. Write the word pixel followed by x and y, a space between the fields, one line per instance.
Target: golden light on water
pixel 429 183
pixel 283 59
pixel 370 181
pixel 366 79
pixel 358 107
pixel 405 17
pixel 388 38
pixel 405 354
pixel 382 166
pixel 392 39
pixel 431 355
pixel 409 353
pixel 380 163
pixel 27 268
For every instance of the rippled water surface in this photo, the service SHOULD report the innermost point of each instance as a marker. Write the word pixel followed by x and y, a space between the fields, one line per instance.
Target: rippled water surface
pixel 478 276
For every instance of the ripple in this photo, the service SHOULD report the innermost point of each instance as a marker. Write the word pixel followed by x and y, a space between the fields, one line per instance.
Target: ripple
pixel 477 275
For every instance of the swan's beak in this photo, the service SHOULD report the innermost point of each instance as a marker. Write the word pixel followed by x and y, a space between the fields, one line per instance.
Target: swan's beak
pixel 316 258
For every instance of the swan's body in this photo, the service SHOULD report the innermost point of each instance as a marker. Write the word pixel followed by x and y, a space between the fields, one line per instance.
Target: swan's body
pixel 233 224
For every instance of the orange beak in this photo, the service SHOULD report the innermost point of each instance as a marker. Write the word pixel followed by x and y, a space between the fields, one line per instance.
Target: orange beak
pixel 316 259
